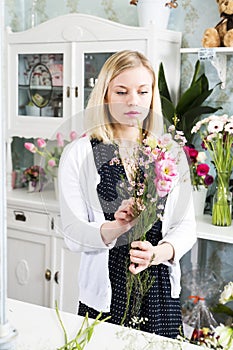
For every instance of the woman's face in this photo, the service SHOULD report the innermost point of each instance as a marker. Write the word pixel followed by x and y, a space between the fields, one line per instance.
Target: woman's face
pixel 129 96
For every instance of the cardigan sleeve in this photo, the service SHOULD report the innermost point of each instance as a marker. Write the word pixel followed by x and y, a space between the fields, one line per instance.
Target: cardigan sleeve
pixel 179 224
pixel 81 213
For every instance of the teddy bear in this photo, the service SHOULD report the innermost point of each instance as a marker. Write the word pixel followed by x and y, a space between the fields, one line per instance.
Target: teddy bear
pixel 222 33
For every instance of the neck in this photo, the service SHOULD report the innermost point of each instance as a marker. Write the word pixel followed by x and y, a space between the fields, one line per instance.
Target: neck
pixel 127 133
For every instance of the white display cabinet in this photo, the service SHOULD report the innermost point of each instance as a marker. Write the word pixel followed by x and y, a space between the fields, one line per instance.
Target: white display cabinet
pixel 52 68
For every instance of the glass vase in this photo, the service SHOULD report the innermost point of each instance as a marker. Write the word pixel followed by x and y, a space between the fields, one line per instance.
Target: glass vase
pixel 222 201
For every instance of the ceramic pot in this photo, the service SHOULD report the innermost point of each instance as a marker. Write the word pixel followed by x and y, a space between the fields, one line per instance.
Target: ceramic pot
pixel 199 198
pixel 153 11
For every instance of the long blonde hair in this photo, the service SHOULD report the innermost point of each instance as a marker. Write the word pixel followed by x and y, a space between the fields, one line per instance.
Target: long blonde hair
pixel 97 114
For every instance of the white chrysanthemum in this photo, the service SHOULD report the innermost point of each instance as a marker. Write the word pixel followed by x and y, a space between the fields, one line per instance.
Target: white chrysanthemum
pixel 215 126
pixel 229 127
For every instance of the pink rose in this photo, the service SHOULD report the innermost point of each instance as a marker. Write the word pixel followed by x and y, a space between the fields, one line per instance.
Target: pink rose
pixel 202 169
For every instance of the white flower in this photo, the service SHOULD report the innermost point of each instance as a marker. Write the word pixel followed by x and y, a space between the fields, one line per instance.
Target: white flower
pixel 201 157
pixel 215 126
pixel 229 127
pixel 225 336
pixel 227 294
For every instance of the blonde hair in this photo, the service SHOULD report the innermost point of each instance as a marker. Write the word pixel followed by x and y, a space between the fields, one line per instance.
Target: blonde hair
pixel 97 115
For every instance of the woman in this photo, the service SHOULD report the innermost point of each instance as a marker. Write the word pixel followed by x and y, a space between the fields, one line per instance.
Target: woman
pixel 96 216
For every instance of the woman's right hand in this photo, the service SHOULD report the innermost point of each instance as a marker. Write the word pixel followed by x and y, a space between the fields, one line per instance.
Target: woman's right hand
pixel 124 221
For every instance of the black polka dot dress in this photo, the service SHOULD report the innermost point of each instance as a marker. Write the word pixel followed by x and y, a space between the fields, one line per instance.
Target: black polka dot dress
pixel 161 312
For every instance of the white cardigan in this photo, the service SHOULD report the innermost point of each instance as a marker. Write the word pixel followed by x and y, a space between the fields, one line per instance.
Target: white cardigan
pixel 82 217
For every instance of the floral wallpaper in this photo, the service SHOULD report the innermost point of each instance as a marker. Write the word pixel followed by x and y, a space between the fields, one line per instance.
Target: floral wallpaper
pixel 191 17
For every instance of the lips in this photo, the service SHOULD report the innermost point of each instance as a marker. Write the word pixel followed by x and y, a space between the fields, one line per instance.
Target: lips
pixel 132 114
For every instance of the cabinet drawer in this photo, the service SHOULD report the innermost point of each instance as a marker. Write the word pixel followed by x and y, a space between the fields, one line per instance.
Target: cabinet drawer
pixel 28 221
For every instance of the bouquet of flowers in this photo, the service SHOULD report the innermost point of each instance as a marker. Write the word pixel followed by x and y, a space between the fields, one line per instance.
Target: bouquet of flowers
pixel 216 133
pixel 199 170
pixel 170 4
pixel 52 157
pixel 34 174
pixel 154 176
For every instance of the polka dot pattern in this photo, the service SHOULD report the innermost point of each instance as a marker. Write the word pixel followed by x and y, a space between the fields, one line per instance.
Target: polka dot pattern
pixel 162 311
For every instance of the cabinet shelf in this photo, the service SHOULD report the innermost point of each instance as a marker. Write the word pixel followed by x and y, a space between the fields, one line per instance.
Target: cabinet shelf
pixel 225 50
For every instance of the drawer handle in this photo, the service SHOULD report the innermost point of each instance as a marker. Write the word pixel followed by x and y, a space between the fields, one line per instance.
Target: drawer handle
pixel 76 91
pixel 47 274
pixel 20 216
pixel 56 277
pixel 68 92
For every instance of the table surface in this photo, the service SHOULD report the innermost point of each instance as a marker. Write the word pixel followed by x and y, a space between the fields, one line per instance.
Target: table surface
pixel 38 328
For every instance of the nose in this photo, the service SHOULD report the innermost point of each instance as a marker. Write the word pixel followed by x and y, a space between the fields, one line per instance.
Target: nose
pixel 132 99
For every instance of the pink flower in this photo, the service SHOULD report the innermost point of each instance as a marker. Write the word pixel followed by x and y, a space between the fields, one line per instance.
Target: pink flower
pixel 163 187
pixel 73 135
pixel 52 162
pixel 41 143
pixel 60 139
pixel 166 169
pixel 202 169
pixel 30 147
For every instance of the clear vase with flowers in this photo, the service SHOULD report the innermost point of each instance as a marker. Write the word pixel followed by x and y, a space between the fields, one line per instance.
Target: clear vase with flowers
pixel 216 133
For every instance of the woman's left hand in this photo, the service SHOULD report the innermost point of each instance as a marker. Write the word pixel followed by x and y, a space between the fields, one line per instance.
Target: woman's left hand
pixel 143 254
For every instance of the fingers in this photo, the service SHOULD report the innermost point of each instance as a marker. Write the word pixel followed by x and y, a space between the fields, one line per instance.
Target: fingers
pixel 125 211
pixel 140 256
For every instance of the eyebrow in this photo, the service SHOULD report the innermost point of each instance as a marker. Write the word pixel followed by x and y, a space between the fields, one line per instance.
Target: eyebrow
pixel 124 86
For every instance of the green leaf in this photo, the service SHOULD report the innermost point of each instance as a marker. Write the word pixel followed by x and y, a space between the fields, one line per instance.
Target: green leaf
pixel 220 308
pixel 196 72
pixel 162 84
pixel 168 109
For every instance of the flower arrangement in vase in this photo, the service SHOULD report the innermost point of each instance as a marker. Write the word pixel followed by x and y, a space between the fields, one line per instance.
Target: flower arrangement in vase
pixel 34 177
pixel 200 177
pixel 216 133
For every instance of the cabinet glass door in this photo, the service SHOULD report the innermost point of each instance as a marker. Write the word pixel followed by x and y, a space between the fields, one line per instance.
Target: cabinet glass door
pixel 93 63
pixel 40 85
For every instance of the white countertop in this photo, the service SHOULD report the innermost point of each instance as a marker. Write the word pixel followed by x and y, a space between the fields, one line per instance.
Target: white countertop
pixel 206 230
pixel 42 201
pixel 38 328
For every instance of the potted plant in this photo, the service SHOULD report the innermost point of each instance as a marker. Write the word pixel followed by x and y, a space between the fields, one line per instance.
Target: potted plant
pixel 189 108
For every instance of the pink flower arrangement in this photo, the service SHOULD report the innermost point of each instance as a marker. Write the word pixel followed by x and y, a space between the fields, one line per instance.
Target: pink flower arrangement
pixel 52 158
pixel 199 171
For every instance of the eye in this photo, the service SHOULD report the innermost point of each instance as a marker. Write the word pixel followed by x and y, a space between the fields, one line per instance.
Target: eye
pixel 143 92
pixel 121 92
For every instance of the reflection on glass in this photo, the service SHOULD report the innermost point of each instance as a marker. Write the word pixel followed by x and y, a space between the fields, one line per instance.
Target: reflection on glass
pixel 93 63
pixel 40 85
